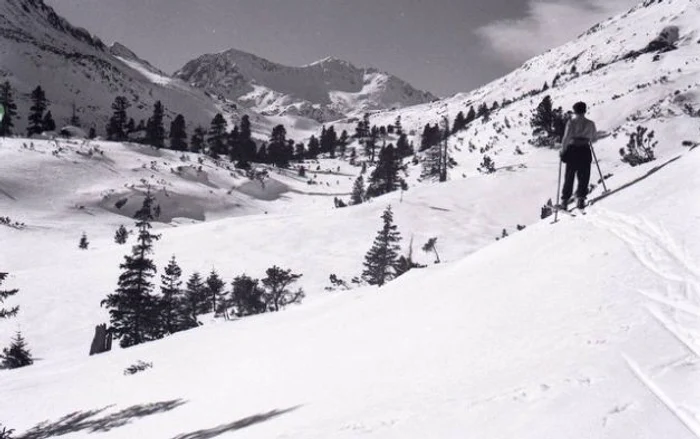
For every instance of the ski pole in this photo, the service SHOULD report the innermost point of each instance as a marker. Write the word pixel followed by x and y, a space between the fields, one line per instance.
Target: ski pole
pixel 556 209
pixel 602 180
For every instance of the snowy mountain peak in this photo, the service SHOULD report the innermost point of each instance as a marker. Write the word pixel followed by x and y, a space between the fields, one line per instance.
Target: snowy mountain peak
pixel 325 90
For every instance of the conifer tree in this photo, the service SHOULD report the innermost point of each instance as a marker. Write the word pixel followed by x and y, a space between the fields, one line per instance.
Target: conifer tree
pixel 173 314
pixel 398 129
pixel 385 177
pixel 121 235
pixel 133 308
pixel 130 126
pixel 8 102
pixel 83 242
pixel 542 120
pixel 178 134
pixel 4 294
pixel 299 152
pixel 329 141
pixel 343 143
pixel 314 148
pixel 48 123
pixel 17 355
pixel 483 111
pixel 197 140
pixel 403 148
pixel 247 296
pixel 116 128
pixel 196 300
pixel 92 133
pixel 471 115
pixel 277 294
pixel 6 433
pixel 248 148
pixel 155 131
pixel 460 122
pixel 215 290
pixel 276 147
pixel 381 260
pixel 234 144
pixel 358 191
pixel 36 112
pixel 217 136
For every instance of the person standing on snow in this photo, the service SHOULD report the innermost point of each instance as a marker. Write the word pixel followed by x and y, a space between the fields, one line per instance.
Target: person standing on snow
pixel 579 135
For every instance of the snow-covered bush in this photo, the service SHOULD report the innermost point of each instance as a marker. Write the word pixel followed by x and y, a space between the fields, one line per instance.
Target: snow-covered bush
pixel 640 148
pixel 137 367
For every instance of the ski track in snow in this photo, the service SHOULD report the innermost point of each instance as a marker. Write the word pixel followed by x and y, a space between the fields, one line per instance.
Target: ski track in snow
pixel 659 252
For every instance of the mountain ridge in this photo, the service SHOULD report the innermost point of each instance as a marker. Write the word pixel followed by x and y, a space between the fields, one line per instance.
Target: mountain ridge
pixel 327 89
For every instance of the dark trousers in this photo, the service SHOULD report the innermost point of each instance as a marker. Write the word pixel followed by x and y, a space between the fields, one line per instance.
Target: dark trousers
pixel 578 166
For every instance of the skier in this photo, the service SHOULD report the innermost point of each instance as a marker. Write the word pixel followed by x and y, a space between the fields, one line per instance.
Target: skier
pixel 579 135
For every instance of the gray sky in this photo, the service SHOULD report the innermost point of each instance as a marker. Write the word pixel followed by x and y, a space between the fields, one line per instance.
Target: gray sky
pixel 443 46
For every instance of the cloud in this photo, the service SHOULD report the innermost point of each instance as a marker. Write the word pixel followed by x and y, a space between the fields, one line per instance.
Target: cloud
pixel 548 24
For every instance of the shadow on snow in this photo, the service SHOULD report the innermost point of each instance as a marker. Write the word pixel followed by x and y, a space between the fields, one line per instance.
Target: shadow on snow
pixel 236 425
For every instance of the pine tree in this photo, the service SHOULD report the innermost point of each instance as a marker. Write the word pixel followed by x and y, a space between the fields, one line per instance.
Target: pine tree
pixel 130 126
pixel 4 294
pixel 48 123
pixel 197 140
pixel 234 144
pixel 6 433
pixel 277 294
pixel 299 152
pixel 92 133
pixel 217 136
pixel 471 115
pixel 381 260
pixel 215 290
pixel 275 149
pixel 397 126
pixel 483 111
pixel 116 128
pixel 178 134
pixel 155 131
pixel 403 148
pixel 358 191
pixel 248 148
pixel 83 242
pixel 385 177
pixel 314 148
pixel 17 355
pixel 542 120
pixel 36 112
pixel 121 235
pixel 247 296
pixel 133 308
pixel 196 301
pixel 173 316
pixel 343 142
pixel 329 141
pixel 460 122
pixel 8 102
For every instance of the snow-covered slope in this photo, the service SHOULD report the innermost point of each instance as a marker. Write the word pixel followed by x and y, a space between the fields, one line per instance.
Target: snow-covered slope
pixel 325 90
pixel 585 328
pixel 38 47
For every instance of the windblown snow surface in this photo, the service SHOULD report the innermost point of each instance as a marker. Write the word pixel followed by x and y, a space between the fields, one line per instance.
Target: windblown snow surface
pixel 586 328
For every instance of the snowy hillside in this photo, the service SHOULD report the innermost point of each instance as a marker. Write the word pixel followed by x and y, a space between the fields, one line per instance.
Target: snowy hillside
pixel 584 328
pixel 325 90
pixel 38 47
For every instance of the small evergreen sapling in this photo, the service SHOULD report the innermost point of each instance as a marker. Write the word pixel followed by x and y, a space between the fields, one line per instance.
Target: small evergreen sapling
pixel 4 294
pixel 121 235
pixel 277 293
pixel 431 246
pixel 215 290
pixel 196 301
pixel 358 191
pixel 640 148
pixel 171 300
pixel 84 243
pixel 17 355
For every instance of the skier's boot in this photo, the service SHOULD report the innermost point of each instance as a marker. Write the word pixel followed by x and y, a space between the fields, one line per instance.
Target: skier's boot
pixel 581 203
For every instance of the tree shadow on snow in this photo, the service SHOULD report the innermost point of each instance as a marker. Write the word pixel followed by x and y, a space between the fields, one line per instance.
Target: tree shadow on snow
pixel 88 420
pixel 236 425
